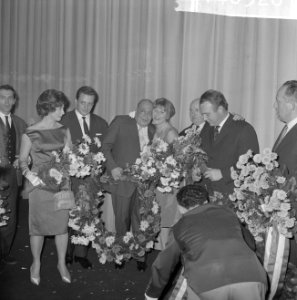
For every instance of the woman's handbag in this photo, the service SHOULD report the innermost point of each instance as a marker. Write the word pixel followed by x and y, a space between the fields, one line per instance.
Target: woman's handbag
pixel 64 200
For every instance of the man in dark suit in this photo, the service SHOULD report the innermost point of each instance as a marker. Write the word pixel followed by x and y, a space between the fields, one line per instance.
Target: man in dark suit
pixel 122 144
pixel 227 140
pixel 81 121
pixel 217 253
pixel 11 129
pixel 286 144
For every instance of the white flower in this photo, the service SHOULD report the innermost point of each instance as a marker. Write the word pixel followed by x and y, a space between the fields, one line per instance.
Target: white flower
pixel 144 225
pixel 99 157
pixel 56 174
pixel 127 237
pixel 165 181
pixel 166 189
pixel 72 223
pixel 87 139
pixel 257 158
pixel 97 142
pixel 282 195
pixel 83 149
pixel 149 245
pixel 155 207
pixel 170 160
pixel 280 179
pixel 88 230
pixel 132 114
pixel 80 240
pixel 109 241
pixel 118 259
pixel 102 258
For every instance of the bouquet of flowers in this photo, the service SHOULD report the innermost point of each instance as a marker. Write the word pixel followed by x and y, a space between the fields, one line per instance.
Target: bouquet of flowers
pixel 84 217
pixel 76 162
pixel 156 167
pixel 115 248
pixel 189 155
pixel 262 196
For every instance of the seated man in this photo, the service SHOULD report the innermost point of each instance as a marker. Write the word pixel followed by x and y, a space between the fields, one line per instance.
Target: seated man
pixel 218 263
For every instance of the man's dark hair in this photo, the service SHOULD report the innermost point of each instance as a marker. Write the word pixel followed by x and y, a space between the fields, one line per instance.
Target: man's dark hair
pixel 192 195
pixel 87 90
pixel 216 98
pixel 49 100
pixel 10 88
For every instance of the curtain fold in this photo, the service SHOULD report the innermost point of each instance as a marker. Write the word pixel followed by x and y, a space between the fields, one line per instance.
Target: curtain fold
pixel 129 50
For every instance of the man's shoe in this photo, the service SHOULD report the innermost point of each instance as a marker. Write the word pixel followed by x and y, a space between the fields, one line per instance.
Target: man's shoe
pixel 141 266
pixel 68 259
pixel 9 260
pixel 84 262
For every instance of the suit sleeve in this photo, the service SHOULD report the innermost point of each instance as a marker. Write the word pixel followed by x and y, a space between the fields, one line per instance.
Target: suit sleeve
pixel 247 140
pixel 109 141
pixel 162 268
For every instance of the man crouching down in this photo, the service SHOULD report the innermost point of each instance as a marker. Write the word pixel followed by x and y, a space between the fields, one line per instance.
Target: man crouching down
pixel 216 253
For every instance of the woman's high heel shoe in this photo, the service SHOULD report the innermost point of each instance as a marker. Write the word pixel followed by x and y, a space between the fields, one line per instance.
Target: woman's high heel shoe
pixel 34 280
pixel 65 277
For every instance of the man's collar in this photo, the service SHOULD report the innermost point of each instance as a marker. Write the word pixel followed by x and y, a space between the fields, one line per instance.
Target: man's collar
pixel 292 123
pixel 79 115
pixel 224 121
pixel 4 115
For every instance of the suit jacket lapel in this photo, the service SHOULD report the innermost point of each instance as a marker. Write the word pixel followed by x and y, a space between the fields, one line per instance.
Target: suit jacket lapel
pixel 287 138
pixel 224 130
pixel 92 129
pixel 17 132
pixel 136 133
pixel 76 125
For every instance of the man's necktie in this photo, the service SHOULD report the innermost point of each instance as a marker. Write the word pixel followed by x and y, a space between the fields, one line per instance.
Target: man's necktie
pixel 86 128
pixel 7 123
pixel 216 132
pixel 11 140
pixel 281 136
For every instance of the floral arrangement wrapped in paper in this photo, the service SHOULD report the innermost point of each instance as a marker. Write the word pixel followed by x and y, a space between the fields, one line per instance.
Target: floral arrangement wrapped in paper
pixel 189 155
pixel 76 162
pixel 84 217
pixel 264 201
pixel 262 196
pixel 164 166
pixel 160 166
pixel 110 247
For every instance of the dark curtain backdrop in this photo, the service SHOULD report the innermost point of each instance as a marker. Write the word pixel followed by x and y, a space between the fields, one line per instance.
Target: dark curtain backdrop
pixel 133 49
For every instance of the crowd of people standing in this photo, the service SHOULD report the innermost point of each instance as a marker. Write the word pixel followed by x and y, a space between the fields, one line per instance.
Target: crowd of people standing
pixel 224 138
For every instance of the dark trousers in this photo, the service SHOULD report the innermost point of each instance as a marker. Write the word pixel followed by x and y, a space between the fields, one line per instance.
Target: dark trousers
pixel 7 232
pixel 125 212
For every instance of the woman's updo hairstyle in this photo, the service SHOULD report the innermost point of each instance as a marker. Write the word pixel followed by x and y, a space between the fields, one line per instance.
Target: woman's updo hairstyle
pixel 49 100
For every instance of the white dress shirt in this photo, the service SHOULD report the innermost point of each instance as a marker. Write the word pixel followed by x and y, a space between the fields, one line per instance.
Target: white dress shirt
pixel 2 116
pixel 143 136
pixel 80 120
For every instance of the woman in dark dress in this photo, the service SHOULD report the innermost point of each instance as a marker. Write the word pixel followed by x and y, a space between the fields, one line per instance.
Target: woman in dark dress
pixel 38 142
